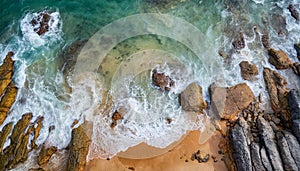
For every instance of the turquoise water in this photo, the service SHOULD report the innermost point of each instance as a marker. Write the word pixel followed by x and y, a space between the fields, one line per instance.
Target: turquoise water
pixel 44 75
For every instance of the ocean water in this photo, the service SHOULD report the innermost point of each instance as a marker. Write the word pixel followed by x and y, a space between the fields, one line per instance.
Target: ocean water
pixel 179 38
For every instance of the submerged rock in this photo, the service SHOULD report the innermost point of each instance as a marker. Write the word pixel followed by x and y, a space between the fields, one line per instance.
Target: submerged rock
pixel 279 59
pixel 278 23
pixel 115 117
pixel 191 99
pixel 294 12
pixel 79 148
pixel 268 137
pixel 228 102
pixel 239 136
pixel 248 71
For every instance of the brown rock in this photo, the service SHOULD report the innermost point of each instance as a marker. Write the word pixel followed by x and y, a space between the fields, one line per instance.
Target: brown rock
pixel 230 102
pixel 294 12
pixel 6 72
pixel 37 131
pixel 266 40
pixel 45 154
pixel 79 148
pixel 239 42
pixel 248 71
pixel 276 87
pixel 7 101
pixel 279 59
pixel 162 81
pixel 191 99
pixel 41 23
pixel 4 134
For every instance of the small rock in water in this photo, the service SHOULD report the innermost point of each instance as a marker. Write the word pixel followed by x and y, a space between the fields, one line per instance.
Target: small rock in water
pixel 162 81
pixel 266 40
pixel 248 71
pixel 239 42
pixel 294 12
pixel 41 23
pixel 115 117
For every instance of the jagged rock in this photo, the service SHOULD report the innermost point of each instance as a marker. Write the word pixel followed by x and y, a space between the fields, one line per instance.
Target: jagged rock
pixel 162 81
pixel 276 86
pixel 239 41
pixel 294 107
pixel 6 72
pixel 288 161
pixel 41 22
pixel 268 137
pixel 294 12
pixel 297 47
pixel 265 160
pixel 228 102
pixel 296 128
pixel 191 99
pixel 279 59
pixel 265 40
pixel 45 154
pixel 7 101
pixel 296 68
pixel 79 148
pixel 37 131
pixel 248 71
pixel 294 147
pixel 279 24
pixel 255 157
pixel 239 136
pixel 4 134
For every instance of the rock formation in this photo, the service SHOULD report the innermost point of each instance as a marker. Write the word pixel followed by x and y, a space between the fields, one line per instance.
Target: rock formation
pixel 279 59
pixel 248 71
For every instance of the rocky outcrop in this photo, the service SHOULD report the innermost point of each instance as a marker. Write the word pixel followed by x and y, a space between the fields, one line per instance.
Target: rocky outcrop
pixel 45 154
pixel 4 134
pixel 239 41
pixel 276 87
pixel 287 159
pixel 296 68
pixel 6 72
pixel 294 147
pixel 191 99
pixel 265 160
pixel 248 71
pixel 79 148
pixel 7 101
pixel 228 102
pixel 239 136
pixel 279 59
pixel 268 138
pixel 295 112
pixel 294 12
pixel 256 157
pixel 41 22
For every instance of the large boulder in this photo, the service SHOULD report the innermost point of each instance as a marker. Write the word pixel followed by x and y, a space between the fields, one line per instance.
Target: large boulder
pixel 248 71
pixel 276 87
pixel 79 148
pixel 228 102
pixel 191 99
pixel 268 137
pixel 279 59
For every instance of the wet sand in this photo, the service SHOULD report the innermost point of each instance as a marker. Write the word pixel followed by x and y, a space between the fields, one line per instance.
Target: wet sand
pixel 179 158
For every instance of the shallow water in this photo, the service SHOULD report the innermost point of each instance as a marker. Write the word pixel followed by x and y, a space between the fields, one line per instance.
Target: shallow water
pixel 124 72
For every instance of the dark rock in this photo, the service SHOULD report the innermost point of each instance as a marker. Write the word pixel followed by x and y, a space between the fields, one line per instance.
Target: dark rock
pixel 248 71
pixel 279 59
pixel 239 136
pixel 79 148
pixel 191 99
pixel 297 47
pixel 45 154
pixel 296 68
pixel 294 107
pixel 296 128
pixel 36 169
pixel 294 147
pixel 6 72
pixel 266 40
pixel 255 156
pixel 162 81
pixel 228 102
pixel 288 161
pixel 268 137
pixel 276 87
pixel 200 157
pixel 294 12
pixel 265 160
pixel 41 22
pixel 239 41
pixel 279 24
